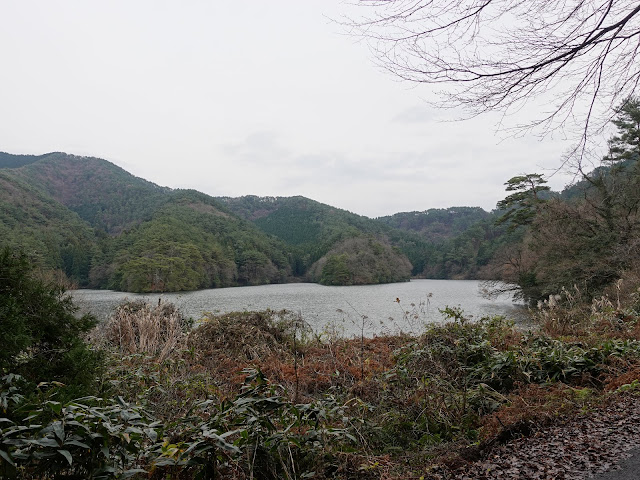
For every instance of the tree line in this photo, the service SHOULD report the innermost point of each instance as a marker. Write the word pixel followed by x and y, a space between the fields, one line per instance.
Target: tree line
pixel 586 238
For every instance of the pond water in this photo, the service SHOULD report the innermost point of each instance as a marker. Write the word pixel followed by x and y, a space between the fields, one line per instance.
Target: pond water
pixel 337 310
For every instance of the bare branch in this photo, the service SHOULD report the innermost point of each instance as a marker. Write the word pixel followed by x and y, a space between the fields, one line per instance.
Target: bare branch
pixel 579 58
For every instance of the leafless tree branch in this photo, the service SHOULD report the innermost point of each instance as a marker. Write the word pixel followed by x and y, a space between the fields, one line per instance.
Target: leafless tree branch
pixel 578 58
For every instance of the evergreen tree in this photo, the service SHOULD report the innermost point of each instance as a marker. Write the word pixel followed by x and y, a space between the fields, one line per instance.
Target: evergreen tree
pixel 40 334
pixel 626 144
pixel 521 207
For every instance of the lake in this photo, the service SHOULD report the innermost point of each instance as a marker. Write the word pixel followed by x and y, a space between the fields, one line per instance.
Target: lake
pixel 334 309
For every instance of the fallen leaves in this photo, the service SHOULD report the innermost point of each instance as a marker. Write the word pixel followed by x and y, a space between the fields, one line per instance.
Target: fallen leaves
pixel 580 447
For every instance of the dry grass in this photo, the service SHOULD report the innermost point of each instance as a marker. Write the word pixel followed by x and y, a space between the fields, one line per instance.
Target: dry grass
pixel 626 377
pixel 530 404
pixel 248 336
pixel 569 316
pixel 138 328
pixel 283 347
pixel 564 315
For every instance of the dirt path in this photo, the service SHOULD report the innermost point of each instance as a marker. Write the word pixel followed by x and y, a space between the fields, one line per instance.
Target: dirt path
pixel 629 468
pixel 579 448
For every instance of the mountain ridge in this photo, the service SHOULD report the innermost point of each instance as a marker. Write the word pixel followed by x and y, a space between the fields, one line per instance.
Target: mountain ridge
pixel 143 237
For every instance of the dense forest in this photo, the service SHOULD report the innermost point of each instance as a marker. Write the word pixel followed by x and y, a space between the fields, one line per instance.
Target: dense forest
pixel 92 224
pixel 456 242
pixel 95 225
pixel 315 231
pixel 436 224
pixel 56 238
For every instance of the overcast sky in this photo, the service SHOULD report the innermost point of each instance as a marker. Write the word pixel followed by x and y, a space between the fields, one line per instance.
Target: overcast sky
pixel 244 97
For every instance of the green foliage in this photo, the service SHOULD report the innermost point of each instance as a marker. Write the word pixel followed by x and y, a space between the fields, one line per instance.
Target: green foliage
pixel 471 254
pixel 104 195
pixel 8 160
pixel 361 261
pixel 297 221
pixel 54 237
pixel 522 206
pixel 40 339
pixel 260 431
pixel 101 227
pixel 88 438
pixel 314 229
pixel 437 225
pixel 301 221
pixel 459 371
pixel 336 271
pixel 447 365
pixel 458 242
pixel 10 395
pixel 625 146
pixel 190 244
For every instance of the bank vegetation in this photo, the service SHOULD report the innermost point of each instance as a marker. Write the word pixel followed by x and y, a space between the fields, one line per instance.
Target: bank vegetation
pixel 261 395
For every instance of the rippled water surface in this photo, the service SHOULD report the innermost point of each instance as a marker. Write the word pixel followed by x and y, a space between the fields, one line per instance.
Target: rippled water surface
pixel 338 309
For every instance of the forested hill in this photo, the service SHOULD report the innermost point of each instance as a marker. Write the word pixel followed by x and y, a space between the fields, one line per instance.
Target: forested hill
pixel 319 233
pixel 56 237
pixel 299 220
pixel 463 241
pixel 457 242
pixel 103 194
pixel 437 224
pixel 8 160
pixel 91 222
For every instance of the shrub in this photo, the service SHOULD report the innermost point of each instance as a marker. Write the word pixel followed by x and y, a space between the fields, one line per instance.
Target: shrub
pixel 88 438
pixel 137 327
pixel 258 434
pixel 40 334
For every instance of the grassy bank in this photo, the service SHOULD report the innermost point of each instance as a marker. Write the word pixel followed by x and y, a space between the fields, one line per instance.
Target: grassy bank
pixel 259 395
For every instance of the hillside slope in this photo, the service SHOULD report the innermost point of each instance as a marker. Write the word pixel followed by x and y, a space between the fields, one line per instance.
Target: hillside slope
pixel 437 224
pixel 105 228
pixel 191 243
pixel 101 193
pixel 130 233
pixel 54 237
pixel 316 230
